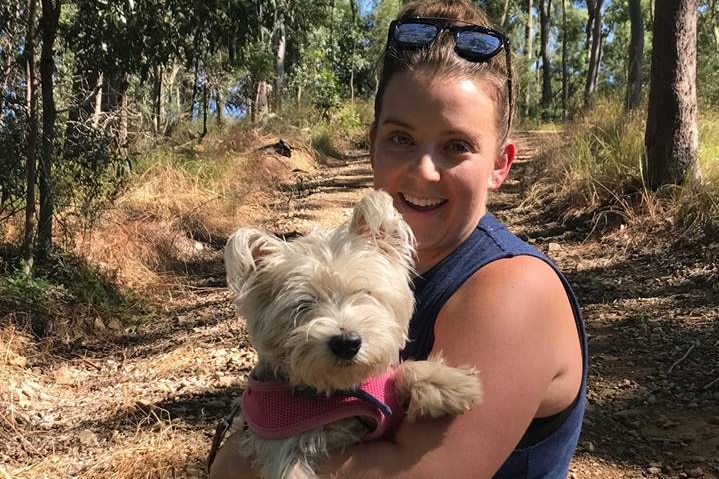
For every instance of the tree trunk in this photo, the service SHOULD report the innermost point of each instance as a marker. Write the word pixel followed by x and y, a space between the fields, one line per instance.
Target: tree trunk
pixel 204 108
pixel 280 67
pixel 30 148
pixel 672 139
pixel 48 27
pixel 261 101
pixel 594 28
pixel 528 54
pixel 715 23
pixel 636 56
pixel 159 105
pixel 545 7
pixel 505 13
pixel 565 78
pixel 117 105
pixel 352 52
pixel 220 107
pixel 195 80
pixel 97 111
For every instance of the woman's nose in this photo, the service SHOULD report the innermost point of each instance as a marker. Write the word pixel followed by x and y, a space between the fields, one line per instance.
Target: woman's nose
pixel 426 167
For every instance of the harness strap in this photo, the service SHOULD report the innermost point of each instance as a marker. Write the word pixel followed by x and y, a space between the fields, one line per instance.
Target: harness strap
pixel 220 431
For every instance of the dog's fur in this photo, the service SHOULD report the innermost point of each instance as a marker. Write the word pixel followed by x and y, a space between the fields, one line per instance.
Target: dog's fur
pixel 296 296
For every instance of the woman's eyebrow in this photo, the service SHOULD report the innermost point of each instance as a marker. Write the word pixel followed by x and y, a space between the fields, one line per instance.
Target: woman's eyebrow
pixel 396 122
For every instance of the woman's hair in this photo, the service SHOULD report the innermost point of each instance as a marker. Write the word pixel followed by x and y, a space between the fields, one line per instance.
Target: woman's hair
pixel 440 59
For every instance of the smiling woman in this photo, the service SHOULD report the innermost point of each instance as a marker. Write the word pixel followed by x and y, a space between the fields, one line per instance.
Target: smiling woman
pixel 434 150
pixel 440 144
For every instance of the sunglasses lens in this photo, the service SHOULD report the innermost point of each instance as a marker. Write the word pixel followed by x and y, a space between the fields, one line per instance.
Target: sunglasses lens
pixel 478 43
pixel 415 34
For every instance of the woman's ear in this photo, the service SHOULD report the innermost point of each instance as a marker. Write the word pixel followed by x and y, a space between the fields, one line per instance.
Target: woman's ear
pixel 502 165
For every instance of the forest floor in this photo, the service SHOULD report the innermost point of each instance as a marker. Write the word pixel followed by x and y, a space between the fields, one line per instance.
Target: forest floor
pixel 144 404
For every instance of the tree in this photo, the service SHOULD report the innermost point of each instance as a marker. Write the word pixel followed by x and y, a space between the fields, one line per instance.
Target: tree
pixel 671 138
pixel 48 28
pixel 31 143
pixel 528 53
pixel 594 40
pixel 545 9
pixel 565 73
pixel 636 56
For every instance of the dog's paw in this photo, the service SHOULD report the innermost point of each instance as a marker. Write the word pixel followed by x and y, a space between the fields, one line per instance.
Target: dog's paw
pixel 433 389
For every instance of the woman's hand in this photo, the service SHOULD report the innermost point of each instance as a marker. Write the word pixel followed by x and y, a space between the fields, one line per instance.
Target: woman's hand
pixel 230 464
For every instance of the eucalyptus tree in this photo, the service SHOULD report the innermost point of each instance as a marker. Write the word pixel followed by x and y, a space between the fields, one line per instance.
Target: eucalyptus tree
pixel 594 43
pixel 671 138
pixel 545 10
pixel 633 95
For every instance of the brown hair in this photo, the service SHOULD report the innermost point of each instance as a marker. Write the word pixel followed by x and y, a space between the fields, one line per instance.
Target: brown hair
pixel 440 59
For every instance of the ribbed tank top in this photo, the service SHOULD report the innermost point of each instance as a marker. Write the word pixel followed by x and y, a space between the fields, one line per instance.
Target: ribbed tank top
pixel 547 447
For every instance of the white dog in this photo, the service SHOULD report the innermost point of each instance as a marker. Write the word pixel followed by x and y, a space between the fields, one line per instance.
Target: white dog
pixel 328 314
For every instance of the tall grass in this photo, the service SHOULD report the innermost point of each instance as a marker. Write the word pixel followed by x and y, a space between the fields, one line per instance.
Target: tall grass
pixel 597 168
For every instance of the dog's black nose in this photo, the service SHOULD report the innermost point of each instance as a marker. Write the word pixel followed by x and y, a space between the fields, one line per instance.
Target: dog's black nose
pixel 346 345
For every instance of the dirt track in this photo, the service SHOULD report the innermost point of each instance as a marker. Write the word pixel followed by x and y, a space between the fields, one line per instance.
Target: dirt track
pixel 146 405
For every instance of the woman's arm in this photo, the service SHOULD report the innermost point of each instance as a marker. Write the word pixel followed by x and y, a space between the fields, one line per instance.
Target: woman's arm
pixel 513 322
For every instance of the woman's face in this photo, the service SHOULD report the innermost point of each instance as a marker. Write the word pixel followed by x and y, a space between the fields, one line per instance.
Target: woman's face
pixel 435 150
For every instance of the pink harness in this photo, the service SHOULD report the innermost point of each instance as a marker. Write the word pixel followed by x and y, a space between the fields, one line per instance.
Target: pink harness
pixel 274 411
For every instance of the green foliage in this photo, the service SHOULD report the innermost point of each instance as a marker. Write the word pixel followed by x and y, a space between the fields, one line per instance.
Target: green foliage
pixel 66 279
pixel 23 289
pixel 91 173
pixel 708 60
pixel 12 173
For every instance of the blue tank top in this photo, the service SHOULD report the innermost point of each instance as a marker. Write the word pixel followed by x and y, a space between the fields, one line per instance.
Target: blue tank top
pixel 548 445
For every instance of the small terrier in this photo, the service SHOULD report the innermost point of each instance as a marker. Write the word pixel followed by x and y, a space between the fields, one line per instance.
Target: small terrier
pixel 328 314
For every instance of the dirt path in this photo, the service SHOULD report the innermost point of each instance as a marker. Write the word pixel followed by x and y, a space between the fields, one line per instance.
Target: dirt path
pixel 146 406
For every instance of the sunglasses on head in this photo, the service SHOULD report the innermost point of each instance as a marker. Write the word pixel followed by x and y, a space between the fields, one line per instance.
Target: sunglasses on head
pixel 472 42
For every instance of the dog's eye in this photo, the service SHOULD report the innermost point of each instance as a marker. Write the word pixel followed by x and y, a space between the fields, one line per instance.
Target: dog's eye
pixel 365 292
pixel 306 303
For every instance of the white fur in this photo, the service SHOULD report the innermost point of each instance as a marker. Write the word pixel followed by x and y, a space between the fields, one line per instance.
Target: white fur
pixel 295 296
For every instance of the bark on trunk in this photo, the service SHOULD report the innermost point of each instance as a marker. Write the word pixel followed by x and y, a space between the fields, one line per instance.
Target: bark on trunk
pixel 545 7
pixel 636 56
pixel 159 105
pixel 715 23
pixel 565 79
pixel 261 100
pixel 30 148
pixel 195 80
pixel 48 27
pixel 220 107
pixel 280 67
pixel 528 54
pixel 97 111
pixel 204 108
pixel 505 13
pixel 671 138
pixel 594 29
pixel 117 104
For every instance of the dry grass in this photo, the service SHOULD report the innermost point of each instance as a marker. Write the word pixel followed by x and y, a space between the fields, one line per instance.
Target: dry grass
pixel 597 172
pixel 158 450
pixel 184 204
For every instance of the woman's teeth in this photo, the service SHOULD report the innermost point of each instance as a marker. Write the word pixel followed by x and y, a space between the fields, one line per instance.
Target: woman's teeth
pixel 421 202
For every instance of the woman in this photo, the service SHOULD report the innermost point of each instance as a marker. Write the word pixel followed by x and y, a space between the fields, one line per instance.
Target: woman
pixel 439 144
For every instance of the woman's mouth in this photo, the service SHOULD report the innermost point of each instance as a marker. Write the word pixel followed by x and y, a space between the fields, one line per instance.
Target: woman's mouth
pixel 421 204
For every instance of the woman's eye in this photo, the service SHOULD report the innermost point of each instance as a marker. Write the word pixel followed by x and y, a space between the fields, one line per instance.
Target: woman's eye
pixel 459 147
pixel 400 139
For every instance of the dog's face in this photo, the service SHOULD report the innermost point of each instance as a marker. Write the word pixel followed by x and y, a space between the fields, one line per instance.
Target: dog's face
pixel 331 308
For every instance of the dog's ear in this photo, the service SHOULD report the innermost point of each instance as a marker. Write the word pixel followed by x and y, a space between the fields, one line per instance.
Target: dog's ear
pixel 243 254
pixel 375 218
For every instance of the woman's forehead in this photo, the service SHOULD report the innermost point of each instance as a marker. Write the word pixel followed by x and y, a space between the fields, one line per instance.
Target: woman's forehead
pixel 414 98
